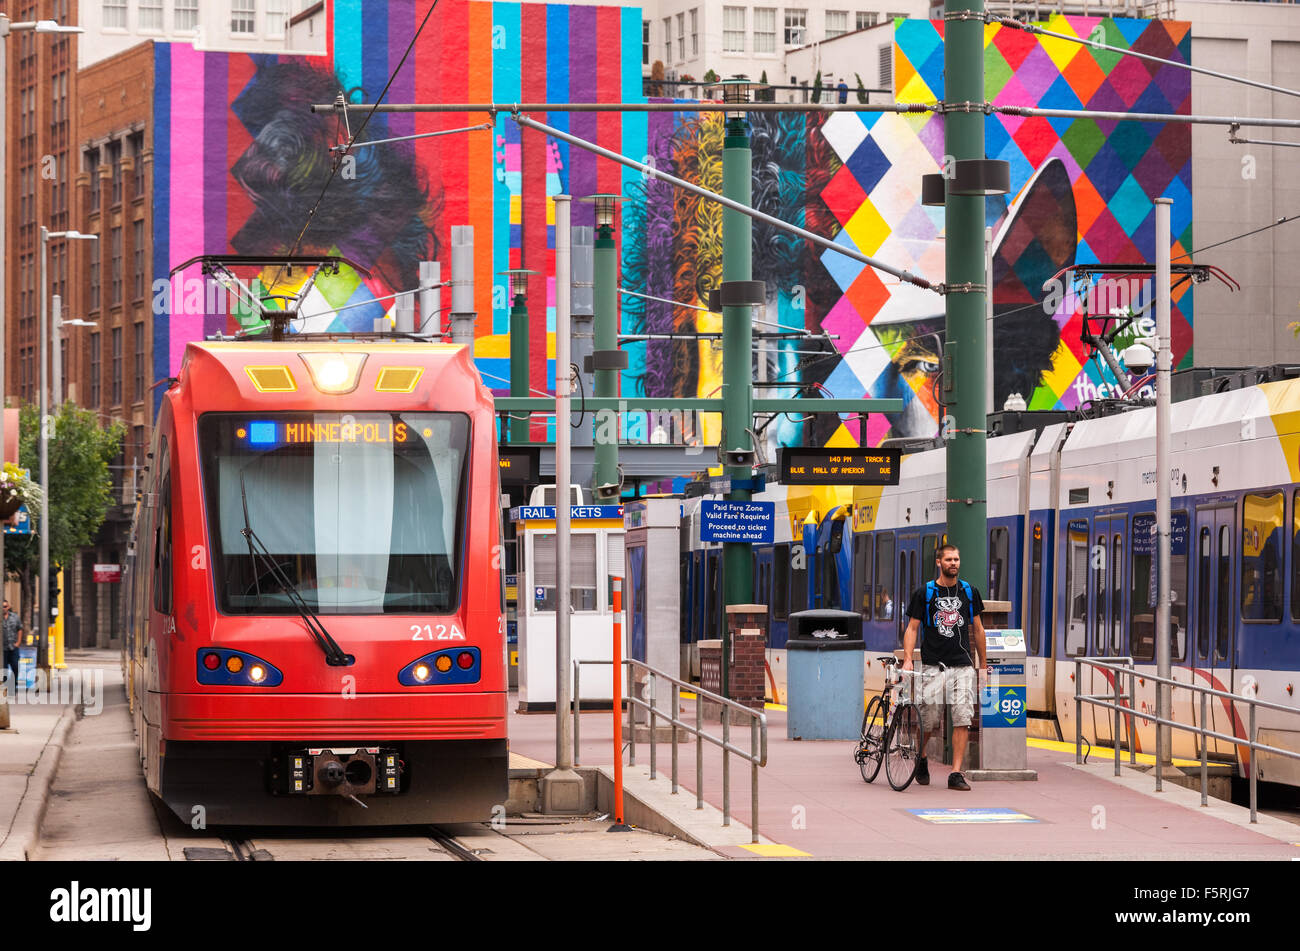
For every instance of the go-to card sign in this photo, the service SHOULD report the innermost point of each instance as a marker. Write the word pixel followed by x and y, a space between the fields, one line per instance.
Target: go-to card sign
pixel 851 466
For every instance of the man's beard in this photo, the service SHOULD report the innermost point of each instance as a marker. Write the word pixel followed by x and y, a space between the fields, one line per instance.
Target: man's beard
pixel 948 574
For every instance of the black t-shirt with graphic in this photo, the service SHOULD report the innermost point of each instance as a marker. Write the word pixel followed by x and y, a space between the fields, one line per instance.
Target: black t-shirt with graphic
pixel 945 628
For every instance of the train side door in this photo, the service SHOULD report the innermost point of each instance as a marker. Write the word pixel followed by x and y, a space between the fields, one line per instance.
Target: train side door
pixel 636 606
pixel 1106 622
pixel 1214 620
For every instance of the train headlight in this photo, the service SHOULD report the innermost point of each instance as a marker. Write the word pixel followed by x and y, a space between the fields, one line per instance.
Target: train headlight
pixel 421 672
pixel 334 373
pixel 257 673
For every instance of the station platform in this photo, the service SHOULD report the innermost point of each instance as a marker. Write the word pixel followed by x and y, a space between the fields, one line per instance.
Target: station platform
pixel 813 804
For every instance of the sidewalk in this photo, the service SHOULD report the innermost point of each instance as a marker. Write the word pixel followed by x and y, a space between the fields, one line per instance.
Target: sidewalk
pixel 812 800
pixel 30 751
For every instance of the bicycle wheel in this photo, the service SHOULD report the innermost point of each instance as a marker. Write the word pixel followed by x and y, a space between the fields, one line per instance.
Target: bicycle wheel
pixel 871 748
pixel 903 746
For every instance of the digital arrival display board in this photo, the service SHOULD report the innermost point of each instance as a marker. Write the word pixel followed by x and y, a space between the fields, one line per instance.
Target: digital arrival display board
pixel 849 466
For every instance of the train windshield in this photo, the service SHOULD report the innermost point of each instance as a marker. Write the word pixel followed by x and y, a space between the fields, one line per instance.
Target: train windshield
pixel 362 512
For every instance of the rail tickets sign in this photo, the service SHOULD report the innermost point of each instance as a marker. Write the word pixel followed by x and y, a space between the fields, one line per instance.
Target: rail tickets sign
pixel 848 466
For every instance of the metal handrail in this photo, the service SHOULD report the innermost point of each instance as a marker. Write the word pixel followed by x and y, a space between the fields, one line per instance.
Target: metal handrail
pixel 1125 665
pixel 756 755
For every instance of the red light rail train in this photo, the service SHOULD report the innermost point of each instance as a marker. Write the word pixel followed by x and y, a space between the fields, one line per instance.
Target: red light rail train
pixel 315 627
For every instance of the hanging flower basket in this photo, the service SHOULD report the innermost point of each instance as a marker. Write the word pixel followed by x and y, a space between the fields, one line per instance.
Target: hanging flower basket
pixel 16 490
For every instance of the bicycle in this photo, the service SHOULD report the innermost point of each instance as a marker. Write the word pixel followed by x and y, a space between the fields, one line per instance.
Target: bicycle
pixel 891 733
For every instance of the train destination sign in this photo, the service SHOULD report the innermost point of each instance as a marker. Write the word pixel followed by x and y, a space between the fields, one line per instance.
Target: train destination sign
pixel 738 522
pixel 849 466
pixel 519 465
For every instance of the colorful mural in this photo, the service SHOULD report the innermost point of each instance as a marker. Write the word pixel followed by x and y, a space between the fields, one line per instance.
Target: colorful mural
pixel 239 160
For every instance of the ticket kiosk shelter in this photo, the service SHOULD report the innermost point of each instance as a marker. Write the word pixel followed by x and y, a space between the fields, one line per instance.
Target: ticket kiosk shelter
pixel 651 589
pixel 595 558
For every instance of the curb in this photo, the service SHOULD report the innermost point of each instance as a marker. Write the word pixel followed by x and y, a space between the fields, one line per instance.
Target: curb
pixel 25 831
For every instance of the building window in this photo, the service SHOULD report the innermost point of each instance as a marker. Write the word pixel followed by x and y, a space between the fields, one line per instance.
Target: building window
pixel 151 14
pixel 115 164
pixel 645 42
pixel 137 168
pixel 94 370
pixel 681 37
pixel 668 40
pixel 115 274
pixel 733 29
pixel 837 23
pixel 115 14
pixel 117 366
pixel 277 19
pixel 139 362
pixel 94 279
pixel 864 21
pixel 243 16
pixel 695 32
pixel 187 15
pixel 92 166
pixel 137 252
pixel 796 27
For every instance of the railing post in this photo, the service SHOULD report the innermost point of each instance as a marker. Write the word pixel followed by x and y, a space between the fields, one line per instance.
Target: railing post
pixel 1254 800
pixel 1160 754
pixel 653 745
pixel 726 765
pixel 1205 755
pixel 577 708
pixel 631 714
pixel 1115 735
pixel 753 770
pixel 1078 713
pixel 699 752
pixel 677 706
pixel 1132 720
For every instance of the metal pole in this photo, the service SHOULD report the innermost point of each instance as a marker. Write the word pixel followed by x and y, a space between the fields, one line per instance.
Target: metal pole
pixel 677 705
pixel 753 779
pixel 699 752
pixel 653 745
pixel 1163 438
pixel 1078 714
pixel 726 766
pixel 563 539
pixel 519 368
pixel 1115 735
pixel 737 363
pixel 1254 773
pixel 606 327
pixel 964 352
pixel 1205 752
pixel 618 701
pixel 43 592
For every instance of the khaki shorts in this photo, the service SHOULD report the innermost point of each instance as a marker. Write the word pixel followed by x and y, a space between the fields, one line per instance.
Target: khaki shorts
pixel 940 687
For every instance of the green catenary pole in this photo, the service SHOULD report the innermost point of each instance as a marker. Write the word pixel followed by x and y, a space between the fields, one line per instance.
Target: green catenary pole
pixel 963 59
pixel 519 365
pixel 737 359
pixel 605 331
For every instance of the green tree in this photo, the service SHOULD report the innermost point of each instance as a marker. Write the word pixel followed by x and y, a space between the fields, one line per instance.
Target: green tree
pixel 862 90
pixel 817 87
pixel 80 485
pixel 710 76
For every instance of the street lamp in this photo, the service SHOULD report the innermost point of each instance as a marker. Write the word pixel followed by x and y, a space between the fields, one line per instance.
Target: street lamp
pixel 43 589
pixel 518 278
pixel 607 360
pixel 56 356
pixel 6 27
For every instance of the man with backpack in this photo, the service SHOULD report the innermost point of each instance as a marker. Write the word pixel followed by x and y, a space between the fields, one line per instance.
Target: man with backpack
pixel 946 612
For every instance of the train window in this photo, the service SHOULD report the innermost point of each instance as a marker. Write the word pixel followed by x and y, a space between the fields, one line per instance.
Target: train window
pixel 1076 570
pixel 861 580
pixel 781 581
pixel 1142 588
pixel 366 511
pixel 1099 595
pixel 1262 556
pixel 798 562
pixel 1295 556
pixel 683 602
pixel 1179 582
pixel 1116 592
pixel 1225 592
pixel 830 573
pixel 998 563
pixel 929 545
pixel 883 595
pixel 582 572
pixel 162 581
pixel 1203 561
pixel 614 566
pixel 1036 589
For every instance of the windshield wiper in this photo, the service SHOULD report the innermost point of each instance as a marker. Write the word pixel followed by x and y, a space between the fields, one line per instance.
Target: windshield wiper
pixel 334 655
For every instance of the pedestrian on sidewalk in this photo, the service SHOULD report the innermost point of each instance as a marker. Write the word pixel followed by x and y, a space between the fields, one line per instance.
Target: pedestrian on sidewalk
pixel 946 613
pixel 13 630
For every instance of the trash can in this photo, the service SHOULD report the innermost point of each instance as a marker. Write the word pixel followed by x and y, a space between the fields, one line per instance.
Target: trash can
pixel 824 689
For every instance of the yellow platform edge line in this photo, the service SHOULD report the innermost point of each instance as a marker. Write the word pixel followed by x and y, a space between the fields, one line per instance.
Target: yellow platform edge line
pixel 774 850
pixel 1146 759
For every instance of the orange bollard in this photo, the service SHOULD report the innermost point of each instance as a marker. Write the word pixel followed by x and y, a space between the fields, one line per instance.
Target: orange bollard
pixel 619 825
